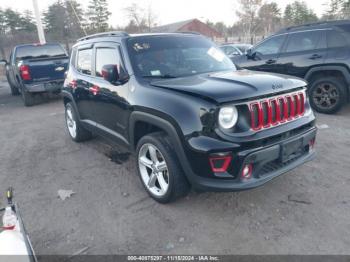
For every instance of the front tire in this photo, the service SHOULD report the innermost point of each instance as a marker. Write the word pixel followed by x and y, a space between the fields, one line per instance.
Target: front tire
pixel 75 130
pixel 327 95
pixel 159 168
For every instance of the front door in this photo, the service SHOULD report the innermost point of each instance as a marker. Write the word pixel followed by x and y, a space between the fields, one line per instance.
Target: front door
pixel 110 100
pixel 263 57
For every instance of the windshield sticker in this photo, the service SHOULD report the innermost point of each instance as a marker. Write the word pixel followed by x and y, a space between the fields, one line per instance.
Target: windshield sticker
pixel 141 46
pixel 156 73
pixel 216 54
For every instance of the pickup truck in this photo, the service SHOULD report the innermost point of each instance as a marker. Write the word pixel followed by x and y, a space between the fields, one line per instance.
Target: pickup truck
pixel 36 68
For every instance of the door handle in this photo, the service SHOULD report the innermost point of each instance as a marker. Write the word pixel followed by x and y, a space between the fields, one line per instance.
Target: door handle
pixel 94 89
pixel 270 61
pixel 315 56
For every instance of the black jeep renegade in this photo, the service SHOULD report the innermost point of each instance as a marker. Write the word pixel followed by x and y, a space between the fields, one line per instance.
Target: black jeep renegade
pixel 179 104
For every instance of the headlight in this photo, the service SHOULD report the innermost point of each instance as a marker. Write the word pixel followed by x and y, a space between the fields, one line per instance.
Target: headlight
pixel 228 117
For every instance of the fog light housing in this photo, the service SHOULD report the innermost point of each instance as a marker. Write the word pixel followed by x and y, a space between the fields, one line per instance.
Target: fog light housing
pixel 220 164
pixel 247 171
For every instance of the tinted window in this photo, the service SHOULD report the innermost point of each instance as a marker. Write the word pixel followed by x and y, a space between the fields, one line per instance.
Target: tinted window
pixel 84 61
pixel 106 56
pixel 162 56
pixel 270 46
pixel 229 50
pixel 337 38
pixel 303 41
pixel 39 51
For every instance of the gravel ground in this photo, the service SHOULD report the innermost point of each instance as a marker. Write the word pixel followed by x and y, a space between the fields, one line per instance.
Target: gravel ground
pixel 303 212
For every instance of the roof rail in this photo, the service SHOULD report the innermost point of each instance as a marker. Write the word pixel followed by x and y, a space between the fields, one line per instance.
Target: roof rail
pixel 317 23
pixel 189 32
pixel 111 33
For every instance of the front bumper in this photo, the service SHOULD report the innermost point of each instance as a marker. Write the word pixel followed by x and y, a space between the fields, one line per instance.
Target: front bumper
pixel 266 161
pixel 51 86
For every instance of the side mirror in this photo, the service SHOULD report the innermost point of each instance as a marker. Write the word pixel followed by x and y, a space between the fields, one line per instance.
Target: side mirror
pixel 115 74
pixel 3 62
pixel 250 54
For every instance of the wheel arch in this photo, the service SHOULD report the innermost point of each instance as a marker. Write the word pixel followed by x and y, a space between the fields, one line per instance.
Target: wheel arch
pixel 162 125
pixel 68 97
pixel 330 70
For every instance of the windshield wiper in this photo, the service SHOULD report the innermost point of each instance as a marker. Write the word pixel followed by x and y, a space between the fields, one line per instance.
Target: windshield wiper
pixel 160 76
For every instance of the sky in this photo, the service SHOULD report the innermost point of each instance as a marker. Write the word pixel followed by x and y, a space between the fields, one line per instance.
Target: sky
pixel 169 11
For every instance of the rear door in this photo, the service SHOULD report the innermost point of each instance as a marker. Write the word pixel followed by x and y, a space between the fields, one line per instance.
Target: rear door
pixel 264 55
pixel 84 83
pixel 302 51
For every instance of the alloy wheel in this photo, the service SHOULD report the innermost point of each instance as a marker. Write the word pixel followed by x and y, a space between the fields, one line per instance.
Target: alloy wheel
pixel 71 124
pixel 153 169
pixel 325 96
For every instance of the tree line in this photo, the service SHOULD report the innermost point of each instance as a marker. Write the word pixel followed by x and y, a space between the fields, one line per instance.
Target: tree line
pixel 67 20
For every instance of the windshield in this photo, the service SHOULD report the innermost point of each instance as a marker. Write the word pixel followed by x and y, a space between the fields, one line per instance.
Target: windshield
pixel 176 56
pixel 39 51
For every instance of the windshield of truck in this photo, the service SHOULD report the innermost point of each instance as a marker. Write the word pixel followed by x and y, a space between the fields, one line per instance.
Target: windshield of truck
pixel 176 56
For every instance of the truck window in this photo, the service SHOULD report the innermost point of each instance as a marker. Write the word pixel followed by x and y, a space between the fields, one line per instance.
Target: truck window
pixel 84 61
pixel 39 51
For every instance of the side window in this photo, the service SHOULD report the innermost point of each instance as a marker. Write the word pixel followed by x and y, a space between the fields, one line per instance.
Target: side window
pixel 303 41
pixel 336 39
pixel 106 56
pixel 84 61
pixel 270 46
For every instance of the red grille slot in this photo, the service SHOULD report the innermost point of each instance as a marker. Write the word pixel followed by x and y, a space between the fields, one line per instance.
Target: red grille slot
pixel 302 104
pixel 267 113
pixel 290 106
pixel 256 115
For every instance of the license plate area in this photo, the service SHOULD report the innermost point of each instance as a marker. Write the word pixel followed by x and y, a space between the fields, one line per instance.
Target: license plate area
pixel 291 149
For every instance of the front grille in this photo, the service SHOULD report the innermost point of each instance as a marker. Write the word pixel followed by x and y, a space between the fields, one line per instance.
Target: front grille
pixel 273 111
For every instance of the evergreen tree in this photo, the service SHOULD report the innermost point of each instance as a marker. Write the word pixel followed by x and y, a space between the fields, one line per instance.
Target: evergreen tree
pixel 98 15
pixel 298 13
pixel 55 20
pixel 12 20
pixel 74 18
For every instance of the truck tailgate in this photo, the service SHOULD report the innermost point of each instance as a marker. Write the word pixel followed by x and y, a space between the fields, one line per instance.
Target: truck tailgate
pixel 42 70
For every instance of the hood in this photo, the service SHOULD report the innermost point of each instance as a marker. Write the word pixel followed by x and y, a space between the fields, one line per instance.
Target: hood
pixel 231 85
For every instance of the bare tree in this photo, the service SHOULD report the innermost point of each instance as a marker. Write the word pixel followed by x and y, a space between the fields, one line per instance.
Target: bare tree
pixel 248 16
pixel 143 18
pixel 151 17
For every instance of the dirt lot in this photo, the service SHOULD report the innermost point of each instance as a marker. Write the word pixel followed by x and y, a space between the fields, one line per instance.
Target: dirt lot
pixel 303 212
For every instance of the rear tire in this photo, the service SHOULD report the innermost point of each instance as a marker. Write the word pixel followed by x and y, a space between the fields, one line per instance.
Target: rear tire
pixel 75 129
pixel 327 94
pixel 169 182
pixel 14 90
pixel 28 98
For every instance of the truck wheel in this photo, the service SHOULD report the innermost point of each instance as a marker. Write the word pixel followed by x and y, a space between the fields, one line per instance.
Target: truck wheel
pixel 14 90
pixel 327 95
pixel 159 168
pixel 28 98
pixel 76 131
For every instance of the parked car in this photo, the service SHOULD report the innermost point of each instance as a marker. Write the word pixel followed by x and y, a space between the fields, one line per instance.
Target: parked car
pixel 230 50
pixel 319 53
pixel 34 68
pixel 178 103
pixel 243 47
